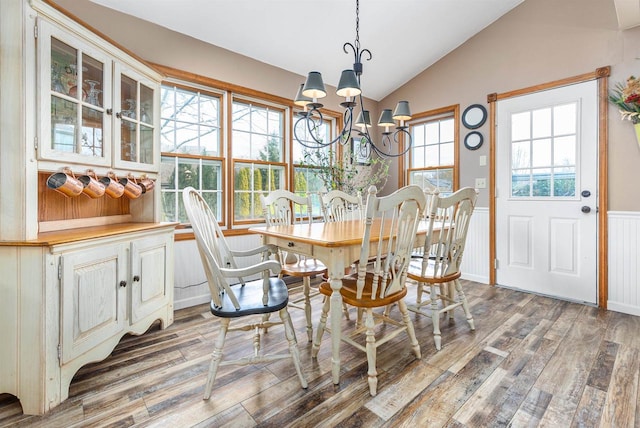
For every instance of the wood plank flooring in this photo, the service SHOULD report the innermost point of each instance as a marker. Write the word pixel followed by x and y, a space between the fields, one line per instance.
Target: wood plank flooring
pixel 532 361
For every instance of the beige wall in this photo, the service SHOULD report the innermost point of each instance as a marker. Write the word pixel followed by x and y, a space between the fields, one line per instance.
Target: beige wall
pixel 538 42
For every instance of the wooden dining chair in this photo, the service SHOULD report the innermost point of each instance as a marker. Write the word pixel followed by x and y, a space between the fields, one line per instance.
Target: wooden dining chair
pixel 338 206
pixel 282 207
pixel 381 275
pixel 242 298
pixel 437 271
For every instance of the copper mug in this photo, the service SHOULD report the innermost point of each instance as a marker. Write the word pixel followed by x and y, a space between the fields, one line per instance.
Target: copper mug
pixel 146 184
pixel 65 182
pixel 132 189
pixel 92 187
pixel 112 186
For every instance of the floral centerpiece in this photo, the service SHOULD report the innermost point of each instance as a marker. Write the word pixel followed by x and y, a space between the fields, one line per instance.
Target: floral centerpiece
pixel 627 98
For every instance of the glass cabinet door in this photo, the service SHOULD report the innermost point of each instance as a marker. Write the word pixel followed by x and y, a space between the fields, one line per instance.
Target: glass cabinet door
pixel 75 123
pixel 137 128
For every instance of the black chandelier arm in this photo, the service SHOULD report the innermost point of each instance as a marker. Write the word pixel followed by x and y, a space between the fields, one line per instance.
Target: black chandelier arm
pixel 313 119
pixel 387 142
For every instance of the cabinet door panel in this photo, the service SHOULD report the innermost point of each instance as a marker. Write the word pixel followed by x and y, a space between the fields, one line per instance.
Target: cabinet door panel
pixel 135 141
pixel 75 126
pixel 149 274
pixel 93 307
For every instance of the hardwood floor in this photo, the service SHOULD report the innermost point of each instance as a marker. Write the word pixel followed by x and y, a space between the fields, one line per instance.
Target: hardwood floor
pixel 532 361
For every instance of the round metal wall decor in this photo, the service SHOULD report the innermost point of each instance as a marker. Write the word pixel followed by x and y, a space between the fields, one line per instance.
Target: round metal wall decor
pixel 474 116
pixel 473 140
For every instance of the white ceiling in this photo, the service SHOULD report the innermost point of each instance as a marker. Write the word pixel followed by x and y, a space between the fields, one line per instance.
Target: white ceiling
pixel 404 36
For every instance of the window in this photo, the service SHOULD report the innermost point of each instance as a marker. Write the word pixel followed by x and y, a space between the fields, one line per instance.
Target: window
pixel 190 136
pixel 432 157
pixel 231 146
pixel 543 152
pixel 257 147
pixel 305 179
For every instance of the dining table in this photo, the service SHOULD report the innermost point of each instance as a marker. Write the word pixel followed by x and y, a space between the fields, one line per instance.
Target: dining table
pixel 337 245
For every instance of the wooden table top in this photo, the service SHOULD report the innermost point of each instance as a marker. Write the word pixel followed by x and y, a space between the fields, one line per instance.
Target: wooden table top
pixel 331 234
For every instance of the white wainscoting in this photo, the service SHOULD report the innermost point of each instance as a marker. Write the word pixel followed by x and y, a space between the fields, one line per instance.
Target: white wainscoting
pixel 624 264
pixel 475 262
pixel 624 261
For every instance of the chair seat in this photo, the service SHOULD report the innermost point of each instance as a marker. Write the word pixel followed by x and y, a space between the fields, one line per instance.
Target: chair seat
pixel 306 267
pixel 250 299
pixel 415 272
pixel 349 292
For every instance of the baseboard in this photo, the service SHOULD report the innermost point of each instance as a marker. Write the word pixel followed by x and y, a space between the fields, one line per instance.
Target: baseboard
pixel 623 308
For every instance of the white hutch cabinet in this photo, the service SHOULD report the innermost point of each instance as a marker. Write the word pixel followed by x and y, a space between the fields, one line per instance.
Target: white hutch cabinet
pixel 76 273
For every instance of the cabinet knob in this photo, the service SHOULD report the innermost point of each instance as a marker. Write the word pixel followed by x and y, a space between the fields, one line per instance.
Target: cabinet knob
pixel 119 115
pixel 109 111
pixel 136 278
pixel 123 283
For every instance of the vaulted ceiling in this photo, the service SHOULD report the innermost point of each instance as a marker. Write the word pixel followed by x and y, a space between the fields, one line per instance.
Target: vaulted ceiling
pixel 404 36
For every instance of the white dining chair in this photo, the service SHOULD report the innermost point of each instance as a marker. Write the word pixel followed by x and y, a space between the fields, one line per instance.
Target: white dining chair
pixel 380 277
pixel 437 271
pixel 245 298
pixel 282 207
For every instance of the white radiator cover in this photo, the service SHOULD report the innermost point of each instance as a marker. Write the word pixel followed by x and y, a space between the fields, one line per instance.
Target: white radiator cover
pixel 624 261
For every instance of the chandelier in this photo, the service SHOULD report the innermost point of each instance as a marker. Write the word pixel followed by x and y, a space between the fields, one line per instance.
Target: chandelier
pixel 311 119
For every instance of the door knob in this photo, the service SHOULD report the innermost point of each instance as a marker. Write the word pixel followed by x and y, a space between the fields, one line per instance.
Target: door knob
pixel 585 209
pixel 586 193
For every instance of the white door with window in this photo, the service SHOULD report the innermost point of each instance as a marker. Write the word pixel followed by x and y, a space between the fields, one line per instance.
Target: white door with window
pixel 546 192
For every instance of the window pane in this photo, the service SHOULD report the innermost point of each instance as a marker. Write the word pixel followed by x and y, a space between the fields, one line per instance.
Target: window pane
pixel 520 156
pixel 446 130
pixel 241 145
pixel 542 123
pixel 446 154
pixel 564 119
pixel 564 182
pixel 168 137
pixel 432 133
pixel 209 141
pixel 541 153
pixel 186 106
pixel 541 182
pixel 209 114
pixel 520 182
pixel 432 156
pixel 241 117
pixel 417 157
pixel 186 138
pixel 520 126
pixel 564 150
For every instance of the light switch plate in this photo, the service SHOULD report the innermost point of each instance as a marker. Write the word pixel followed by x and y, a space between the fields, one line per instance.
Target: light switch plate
pixel 483 160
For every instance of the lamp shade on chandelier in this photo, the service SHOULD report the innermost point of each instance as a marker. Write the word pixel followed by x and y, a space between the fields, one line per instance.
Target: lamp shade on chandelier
pixel 310 121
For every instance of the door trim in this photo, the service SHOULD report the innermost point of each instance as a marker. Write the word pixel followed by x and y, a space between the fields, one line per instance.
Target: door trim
pixel 601 75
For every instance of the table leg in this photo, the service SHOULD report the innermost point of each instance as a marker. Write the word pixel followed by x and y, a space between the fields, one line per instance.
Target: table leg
pixel 336 328
pixel 335 274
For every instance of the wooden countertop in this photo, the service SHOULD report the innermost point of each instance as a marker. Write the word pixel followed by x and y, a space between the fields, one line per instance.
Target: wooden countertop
pixel 79 234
